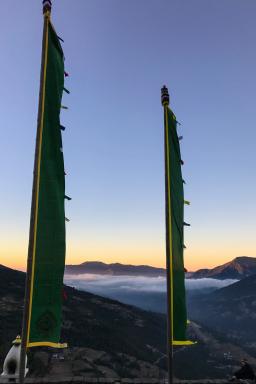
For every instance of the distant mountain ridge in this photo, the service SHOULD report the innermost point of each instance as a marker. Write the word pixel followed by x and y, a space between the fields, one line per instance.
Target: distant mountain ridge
pixel 99 268
pixel 238 268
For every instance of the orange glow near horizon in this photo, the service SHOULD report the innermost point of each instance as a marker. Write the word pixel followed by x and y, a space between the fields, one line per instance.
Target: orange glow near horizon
pixel 136 248
pixel 15 256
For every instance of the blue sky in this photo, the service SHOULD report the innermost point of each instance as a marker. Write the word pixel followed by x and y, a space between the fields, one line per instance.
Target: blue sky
pixel 119 54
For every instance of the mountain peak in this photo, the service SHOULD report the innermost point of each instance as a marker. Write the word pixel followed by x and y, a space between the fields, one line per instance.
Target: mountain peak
pixel 97 267
pixel 237 269
pixel 244 259
pixel 96 263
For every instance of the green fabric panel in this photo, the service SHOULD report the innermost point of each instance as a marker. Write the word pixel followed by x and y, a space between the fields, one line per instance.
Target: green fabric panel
pixel 177 234
pixel 50 237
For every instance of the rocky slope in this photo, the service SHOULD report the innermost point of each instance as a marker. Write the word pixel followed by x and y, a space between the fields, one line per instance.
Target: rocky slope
pixel 213 356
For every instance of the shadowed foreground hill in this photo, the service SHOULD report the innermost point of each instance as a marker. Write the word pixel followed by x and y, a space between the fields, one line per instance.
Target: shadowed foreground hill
pixel 230 310
pixel 125 333
pixel 11 299
pixel 96 322
pixel 112 340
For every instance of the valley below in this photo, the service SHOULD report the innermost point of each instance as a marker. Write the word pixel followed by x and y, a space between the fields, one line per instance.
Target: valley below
pixel 112 339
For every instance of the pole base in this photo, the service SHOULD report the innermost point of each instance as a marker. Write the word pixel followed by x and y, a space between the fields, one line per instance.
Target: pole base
pixel 10 378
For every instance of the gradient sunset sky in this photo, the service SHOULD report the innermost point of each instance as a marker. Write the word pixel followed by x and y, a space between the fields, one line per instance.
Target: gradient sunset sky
pixel 119 53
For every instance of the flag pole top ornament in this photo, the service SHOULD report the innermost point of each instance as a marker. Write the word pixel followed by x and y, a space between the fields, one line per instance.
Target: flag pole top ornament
pixel 47 7
pixel 17 341
pixel 165 96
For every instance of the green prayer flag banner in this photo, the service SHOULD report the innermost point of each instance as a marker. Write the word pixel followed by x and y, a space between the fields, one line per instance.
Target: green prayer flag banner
pixel 49 229
pixel 175 235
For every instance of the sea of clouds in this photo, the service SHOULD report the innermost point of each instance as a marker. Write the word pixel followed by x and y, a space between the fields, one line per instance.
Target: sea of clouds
pixel 103 283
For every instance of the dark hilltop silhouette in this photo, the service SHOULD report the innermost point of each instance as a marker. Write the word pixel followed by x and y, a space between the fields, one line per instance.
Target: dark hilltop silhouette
pixel 237 269
pixel 97 267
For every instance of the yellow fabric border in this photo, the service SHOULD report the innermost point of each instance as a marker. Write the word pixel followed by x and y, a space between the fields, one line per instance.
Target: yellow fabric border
pixel 38 172
pixel 169 210
pixel 47 344
pixel 183 342
pixel 174 342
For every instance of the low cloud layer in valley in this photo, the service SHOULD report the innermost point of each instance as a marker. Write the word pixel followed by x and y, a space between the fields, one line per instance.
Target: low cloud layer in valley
pixel 104 282
pixel 145 292
pixel 192 284
pixel 94 283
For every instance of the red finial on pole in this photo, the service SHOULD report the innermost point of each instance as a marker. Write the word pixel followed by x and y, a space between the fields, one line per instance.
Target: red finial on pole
pixel 47 6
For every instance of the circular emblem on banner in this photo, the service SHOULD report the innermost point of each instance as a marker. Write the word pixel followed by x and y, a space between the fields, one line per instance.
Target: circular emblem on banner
pixel 46 322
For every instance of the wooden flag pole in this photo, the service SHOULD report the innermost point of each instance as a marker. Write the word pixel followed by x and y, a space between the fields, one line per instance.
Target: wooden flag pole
pixel 165 102
pixel 25 323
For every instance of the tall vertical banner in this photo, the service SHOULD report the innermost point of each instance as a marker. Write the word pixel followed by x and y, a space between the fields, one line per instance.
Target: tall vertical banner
pixel 175 232
pixel 48 245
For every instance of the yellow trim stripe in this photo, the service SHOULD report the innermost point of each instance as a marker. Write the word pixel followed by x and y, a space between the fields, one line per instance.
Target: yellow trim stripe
pixel 185 342
pixel 169 210
pixel 48 344
pixel 38 178
pixel 173 342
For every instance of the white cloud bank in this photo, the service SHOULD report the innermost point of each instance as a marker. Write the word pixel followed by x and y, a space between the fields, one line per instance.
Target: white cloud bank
pixel 208 283
pixel 98 283
pixel 127 283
